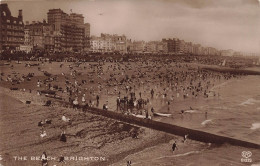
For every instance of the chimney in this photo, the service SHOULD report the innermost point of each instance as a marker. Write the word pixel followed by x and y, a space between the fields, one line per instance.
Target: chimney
pixel 27 23
pixel 20 15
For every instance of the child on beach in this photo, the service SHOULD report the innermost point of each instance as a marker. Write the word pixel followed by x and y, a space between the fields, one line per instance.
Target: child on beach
pixel 185 138
pixel 63 137
pixel 129 163
pixel 43 133
pixel 64 118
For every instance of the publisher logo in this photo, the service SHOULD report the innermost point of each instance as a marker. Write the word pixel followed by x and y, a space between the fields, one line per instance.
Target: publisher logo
pixel 246 156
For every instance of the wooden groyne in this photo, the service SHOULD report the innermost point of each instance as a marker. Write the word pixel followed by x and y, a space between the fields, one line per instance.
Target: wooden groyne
pixel 173 129
pixel 232 71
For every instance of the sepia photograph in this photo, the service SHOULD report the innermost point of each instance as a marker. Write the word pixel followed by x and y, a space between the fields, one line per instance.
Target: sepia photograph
pixel 130 82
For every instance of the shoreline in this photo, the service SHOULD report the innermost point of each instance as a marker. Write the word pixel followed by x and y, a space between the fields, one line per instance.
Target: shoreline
pixel 110 137
pixel 152 139
pixel 119 157
pixel 232 71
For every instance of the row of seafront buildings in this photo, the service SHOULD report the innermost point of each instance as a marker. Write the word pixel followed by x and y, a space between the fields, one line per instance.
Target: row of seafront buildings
pixel 64 32
pixel 114 43
pixel 107 43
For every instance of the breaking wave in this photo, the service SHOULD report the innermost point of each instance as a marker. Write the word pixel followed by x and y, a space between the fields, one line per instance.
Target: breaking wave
pixel 255 126
pixel 250 101
pixel 206 122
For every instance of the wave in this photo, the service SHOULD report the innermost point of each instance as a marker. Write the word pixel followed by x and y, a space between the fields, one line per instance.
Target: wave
pixel 177 155
pixel 250 101
pixel 255 126
pixel 220 85
pixel 191 111
pixel 206 121
pixel 221 108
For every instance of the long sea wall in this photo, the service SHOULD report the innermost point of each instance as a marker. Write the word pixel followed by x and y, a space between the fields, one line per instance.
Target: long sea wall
pixel 173 129
pixel 232 71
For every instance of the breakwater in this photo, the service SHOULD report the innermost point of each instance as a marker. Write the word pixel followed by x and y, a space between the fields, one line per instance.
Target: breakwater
pixel 173 129
pixel 232 71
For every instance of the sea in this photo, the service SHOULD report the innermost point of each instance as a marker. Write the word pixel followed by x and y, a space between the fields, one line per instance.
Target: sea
pixel 234 113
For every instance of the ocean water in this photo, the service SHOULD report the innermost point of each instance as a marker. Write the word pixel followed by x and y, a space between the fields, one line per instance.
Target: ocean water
pixel 235 113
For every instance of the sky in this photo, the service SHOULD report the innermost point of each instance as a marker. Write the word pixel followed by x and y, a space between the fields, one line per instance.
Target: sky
pixel 223 24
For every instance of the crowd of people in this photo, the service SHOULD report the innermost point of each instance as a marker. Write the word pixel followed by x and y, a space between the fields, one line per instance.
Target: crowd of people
pixel 138 87
pixel 136 84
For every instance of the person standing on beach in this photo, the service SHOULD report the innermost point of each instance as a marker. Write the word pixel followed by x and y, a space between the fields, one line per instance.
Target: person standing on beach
pixel 152 110
pixel 104 106
pixel 83 100
pixel 38 84
pixel 168 105
pixel 63 137
pixel 117 103
pixel 152 93
pixel 97 97
pixel 185 138
pixel 174 146
pixel 146 114
pixel 177 94
pixel 129 163
pixel 75 103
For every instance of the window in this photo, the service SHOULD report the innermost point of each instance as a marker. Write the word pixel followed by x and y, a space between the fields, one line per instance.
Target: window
pixel 8 21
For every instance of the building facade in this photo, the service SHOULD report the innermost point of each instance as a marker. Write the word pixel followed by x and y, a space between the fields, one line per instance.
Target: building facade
pixel 27 38
pixel 70 32
pixel 138 47
pixel 196 49
pixel 12 29
pixel 189 47
pixel 120 43
pixel 155 47
pixel 109 43
pixel 87 37
pixel 151 47
pixel 162 47
pixel 229 52
pixel 101 44
pixel 170 43
pixel 40 34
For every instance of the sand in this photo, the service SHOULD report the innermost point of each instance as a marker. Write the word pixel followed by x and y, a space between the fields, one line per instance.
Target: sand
pixel 88 135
